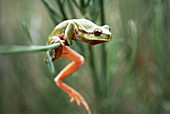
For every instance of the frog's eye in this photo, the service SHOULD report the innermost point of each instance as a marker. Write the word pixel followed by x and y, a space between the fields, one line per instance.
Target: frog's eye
pixel 97 32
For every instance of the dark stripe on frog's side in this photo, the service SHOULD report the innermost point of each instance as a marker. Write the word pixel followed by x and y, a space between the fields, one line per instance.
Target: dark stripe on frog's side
pixel 85 32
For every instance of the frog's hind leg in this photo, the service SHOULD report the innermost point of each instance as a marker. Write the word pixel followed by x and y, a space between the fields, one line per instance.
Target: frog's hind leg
pixel 77 62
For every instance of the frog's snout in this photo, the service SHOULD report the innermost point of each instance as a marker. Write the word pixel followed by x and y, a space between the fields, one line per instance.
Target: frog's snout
pixel 109 35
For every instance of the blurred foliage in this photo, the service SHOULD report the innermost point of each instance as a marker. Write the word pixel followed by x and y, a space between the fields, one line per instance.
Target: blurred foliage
pixel 128 75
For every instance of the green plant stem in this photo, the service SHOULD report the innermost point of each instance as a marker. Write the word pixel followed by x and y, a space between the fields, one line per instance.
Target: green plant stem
pixel 53 14
pixel 130 66
pixel 102 12
pixel 23 49
pixel 134 47
pixel 24 26
pixel 61 9
pixel 76 4
pixel 50 63
pixel 71 9
pixel 103 53
pixel 83 7
pixel 166 26
pixel 160 37
pixel 87 3
pixel 94 73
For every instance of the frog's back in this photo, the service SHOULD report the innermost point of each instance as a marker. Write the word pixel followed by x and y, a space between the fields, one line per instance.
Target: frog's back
pixel 85 24
pixel 80 23
pixel 60 28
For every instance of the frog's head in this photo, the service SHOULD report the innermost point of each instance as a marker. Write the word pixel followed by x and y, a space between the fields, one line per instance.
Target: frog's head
pixel 96 35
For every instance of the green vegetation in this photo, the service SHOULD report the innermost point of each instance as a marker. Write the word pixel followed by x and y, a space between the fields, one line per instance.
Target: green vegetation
pixel 128 75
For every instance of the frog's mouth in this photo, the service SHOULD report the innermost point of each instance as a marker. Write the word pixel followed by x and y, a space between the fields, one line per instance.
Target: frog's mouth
pixel 91 41
pixel 94 42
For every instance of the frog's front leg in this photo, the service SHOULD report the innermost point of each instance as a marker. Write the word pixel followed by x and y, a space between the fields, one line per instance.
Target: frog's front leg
pixel 77 61
pixel 70 30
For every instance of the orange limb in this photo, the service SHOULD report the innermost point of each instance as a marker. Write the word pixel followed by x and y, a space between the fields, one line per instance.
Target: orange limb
pixel 77 62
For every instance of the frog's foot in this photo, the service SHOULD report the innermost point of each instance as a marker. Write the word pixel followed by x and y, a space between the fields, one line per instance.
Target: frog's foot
pixel 57 39
pixel 75 96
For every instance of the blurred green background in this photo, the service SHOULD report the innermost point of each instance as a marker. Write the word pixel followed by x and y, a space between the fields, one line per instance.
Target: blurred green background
pixel 128 75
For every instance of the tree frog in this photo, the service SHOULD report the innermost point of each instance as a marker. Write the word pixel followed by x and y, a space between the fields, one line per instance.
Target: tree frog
pixel 69 30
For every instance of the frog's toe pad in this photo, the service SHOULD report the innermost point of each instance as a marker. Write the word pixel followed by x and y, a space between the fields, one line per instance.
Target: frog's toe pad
pixel 79 100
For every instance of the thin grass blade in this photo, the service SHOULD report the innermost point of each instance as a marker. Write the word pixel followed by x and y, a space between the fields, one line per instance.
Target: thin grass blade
pixel 50 63
pixel 25 27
